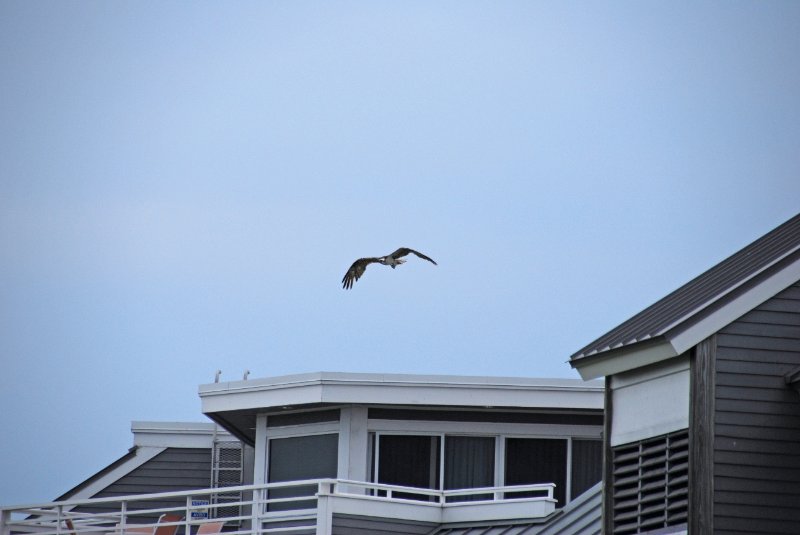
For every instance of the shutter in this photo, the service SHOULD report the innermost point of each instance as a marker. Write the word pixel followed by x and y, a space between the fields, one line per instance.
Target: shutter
pixel 650 483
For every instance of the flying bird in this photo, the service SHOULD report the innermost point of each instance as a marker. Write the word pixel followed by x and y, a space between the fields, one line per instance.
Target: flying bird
pixel 393 260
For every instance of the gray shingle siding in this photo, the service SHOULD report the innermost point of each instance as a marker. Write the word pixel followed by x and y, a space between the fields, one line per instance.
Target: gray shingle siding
pixel 174 469
pixel 757 420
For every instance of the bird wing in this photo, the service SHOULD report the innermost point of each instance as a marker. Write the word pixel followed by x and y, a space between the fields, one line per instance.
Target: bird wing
pixel 355 271
pixel 403 251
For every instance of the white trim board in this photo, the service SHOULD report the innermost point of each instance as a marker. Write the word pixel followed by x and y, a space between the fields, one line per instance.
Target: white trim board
pixel 398 389
pixel 178 434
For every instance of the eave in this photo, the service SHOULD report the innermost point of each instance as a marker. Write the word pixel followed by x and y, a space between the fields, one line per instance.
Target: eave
pixel 234 405
pixel 688 331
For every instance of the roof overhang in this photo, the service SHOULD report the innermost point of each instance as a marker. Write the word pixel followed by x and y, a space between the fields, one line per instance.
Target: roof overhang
pixel 176 434
pixel 692 329
pixel 235 404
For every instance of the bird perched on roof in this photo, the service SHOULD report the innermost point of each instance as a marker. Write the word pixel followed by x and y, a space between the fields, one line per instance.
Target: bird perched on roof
pixel 393 260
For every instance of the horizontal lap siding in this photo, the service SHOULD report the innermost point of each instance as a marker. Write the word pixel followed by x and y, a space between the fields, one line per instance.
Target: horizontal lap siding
pixel 174 469
pixel 757 420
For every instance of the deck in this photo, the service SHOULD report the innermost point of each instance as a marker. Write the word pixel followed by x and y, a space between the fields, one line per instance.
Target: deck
pixel 297 507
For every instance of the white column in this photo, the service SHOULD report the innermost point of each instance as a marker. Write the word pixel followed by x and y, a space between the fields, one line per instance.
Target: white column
pixel 343 462
pixel 358 462
pixel 260 461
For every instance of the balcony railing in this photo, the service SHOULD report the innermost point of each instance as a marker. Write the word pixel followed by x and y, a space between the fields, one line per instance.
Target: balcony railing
pixel 301 507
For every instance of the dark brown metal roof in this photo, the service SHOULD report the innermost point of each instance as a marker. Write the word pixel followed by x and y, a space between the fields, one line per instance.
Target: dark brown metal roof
pixel 692 301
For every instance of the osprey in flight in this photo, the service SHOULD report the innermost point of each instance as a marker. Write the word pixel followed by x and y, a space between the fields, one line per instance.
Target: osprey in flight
pixel 393 260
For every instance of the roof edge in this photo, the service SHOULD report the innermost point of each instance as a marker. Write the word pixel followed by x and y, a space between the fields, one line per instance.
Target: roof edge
pixel 624 358
pixel 681 338
pixel 705 293
pixel 384 379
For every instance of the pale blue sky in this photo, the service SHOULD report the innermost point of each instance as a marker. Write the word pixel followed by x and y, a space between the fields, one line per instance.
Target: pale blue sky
pixel 183 185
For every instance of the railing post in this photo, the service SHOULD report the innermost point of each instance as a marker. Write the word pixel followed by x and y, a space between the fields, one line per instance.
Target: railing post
pixel 59 512
pixel 123 516
pixel 255 510
pixel 187 517
pixel 5 519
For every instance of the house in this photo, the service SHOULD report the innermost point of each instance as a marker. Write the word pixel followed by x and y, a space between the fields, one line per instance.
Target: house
pixel 702 429
pixel 167 457
pixel 349 453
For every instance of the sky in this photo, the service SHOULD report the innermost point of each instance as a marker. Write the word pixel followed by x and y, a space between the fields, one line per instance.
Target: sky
pixel 184 184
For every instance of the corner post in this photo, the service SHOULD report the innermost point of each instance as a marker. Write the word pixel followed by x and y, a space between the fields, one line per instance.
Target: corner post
pixel 701 437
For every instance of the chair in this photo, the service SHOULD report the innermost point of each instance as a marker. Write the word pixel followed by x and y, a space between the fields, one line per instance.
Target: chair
pixel 150 530
pixel 167 530
pixel 210 528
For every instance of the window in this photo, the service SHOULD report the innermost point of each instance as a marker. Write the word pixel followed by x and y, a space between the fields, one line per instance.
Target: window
pixel 468 464
pixel 587 465
pixel 452 462
pixel 299 458
pixel 537 460
pixel 409 461
pixel 416 461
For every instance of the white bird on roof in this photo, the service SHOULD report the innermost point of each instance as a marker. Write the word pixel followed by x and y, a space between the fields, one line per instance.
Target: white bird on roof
pixel 393 260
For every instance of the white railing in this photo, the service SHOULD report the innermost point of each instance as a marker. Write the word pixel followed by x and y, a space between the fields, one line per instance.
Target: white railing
pixel 542 491
pixel 291 507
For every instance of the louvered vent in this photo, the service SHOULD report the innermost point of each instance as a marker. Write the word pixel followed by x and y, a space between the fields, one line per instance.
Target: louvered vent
pixel 651 481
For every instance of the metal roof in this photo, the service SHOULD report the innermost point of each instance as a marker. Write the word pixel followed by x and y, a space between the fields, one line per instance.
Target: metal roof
pixel 694 300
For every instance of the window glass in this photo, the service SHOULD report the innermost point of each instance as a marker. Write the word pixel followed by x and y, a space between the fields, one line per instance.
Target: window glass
pixel 409 461
pixel 536 460
pixel 299 458
pixel 587 465
pixel 468 464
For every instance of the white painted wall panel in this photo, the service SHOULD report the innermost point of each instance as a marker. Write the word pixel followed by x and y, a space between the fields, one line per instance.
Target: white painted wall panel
pixel 651 402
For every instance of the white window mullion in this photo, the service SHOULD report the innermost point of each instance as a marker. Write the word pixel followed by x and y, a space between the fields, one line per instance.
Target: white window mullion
pixel 569 471
pixel 499 464
pixel 441 462
pixel 377 465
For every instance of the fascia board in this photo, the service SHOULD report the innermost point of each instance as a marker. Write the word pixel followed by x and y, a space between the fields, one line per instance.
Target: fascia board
pixel 177 434
pixel 684 340
pixel 677 341
pixel 252 398
pixel 464 396
pixel 626 359
pixel 400 389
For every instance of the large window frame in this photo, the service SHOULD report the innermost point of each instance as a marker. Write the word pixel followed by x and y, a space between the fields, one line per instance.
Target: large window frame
pixel 268 434
pixel 363 436
pixel 499 453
